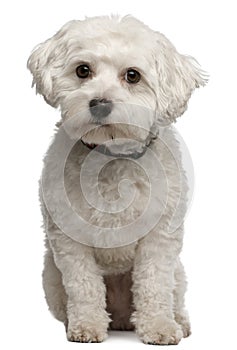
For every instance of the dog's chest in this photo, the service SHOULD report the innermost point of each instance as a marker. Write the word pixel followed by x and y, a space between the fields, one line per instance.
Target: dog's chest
pixel 108 195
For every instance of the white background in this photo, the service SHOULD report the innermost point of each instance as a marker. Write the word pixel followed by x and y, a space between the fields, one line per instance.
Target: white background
pixel 205 29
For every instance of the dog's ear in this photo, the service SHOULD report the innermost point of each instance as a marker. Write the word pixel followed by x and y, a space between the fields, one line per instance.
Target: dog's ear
pixel 46 62
pixel 40 64
pixel 178 76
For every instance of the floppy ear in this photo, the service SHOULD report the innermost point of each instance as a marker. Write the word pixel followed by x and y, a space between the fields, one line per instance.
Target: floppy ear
pixel 178 76
pixel 46 62
pixel 40 64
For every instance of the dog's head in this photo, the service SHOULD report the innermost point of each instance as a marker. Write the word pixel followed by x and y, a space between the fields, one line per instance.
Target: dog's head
pixel 104 71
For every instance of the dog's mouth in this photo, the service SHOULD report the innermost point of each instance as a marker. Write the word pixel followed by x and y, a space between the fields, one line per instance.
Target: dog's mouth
pixel 90 145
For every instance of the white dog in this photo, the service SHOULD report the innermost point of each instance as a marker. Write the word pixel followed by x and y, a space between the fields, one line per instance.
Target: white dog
pixel 119 86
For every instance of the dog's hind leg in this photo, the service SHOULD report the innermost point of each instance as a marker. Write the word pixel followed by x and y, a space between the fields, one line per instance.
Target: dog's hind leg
pixel 181 315
pixel 54 290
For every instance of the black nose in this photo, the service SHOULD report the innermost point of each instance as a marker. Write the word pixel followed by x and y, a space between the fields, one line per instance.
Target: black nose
pixel 100 108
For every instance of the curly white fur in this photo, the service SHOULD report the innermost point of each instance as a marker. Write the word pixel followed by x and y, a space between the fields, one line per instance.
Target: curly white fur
pixel 74 273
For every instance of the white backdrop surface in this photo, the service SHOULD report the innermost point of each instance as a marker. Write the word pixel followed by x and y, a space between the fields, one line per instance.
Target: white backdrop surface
pixel 203 29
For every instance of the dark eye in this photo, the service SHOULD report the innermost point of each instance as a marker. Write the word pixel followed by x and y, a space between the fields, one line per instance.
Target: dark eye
pixel 83 71
pixel 132 76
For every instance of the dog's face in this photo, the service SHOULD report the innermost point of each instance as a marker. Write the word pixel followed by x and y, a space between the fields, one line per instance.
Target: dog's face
pixel 113 78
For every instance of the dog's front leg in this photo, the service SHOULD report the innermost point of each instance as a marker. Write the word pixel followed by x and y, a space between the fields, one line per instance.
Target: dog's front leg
pixel 153 284
pixel 83 282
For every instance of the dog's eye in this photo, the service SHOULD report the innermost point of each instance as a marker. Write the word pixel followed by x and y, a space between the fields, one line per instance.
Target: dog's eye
pixel 132 76
pixel 83 71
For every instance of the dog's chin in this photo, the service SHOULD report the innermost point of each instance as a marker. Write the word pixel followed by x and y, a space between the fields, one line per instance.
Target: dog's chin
pixel 99 134
pixel 111 132
pixel 114 140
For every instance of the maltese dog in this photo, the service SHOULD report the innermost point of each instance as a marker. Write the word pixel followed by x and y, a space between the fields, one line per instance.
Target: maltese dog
pixel 114 190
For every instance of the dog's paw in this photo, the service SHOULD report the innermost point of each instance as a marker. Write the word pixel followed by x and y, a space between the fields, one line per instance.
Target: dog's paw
pixel 183 320
pixel 159 331
pixel 86 334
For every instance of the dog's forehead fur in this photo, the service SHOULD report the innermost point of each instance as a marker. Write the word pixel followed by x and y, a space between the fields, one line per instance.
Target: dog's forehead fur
pixel 113 27
pixel 111 40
